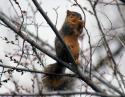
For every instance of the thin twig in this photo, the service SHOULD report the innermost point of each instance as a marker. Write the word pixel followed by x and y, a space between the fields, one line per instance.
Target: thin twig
pixel 55 9
pixel 14 8
pixel 37 55
pixel 119 10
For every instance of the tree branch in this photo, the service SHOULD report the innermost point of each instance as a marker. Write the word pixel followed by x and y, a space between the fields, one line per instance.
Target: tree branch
pixel 34 71
pixel 58 93
pixel 54 29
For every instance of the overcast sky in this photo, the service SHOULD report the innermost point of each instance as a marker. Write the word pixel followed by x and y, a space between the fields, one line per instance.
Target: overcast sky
pixel 47 34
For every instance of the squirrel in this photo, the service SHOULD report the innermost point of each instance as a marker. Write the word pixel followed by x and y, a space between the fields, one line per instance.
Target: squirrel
pixel 70 31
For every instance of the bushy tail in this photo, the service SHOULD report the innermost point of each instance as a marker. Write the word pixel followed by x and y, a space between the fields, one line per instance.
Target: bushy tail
pixel 57 82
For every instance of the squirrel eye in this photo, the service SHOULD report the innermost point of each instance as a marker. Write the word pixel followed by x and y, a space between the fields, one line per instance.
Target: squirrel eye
pixel 73 14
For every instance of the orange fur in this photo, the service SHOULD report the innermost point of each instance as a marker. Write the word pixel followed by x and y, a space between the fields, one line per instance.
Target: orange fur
pixel 72 43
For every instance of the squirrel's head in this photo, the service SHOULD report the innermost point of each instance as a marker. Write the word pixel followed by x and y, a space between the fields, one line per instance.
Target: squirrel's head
pixel 73 14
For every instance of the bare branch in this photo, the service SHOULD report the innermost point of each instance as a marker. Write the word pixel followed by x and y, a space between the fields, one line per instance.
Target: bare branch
pixel 54 29
pixel 57 93
pixel 33 71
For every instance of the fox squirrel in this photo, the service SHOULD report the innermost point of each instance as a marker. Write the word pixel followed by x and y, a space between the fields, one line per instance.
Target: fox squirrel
pixel 70 31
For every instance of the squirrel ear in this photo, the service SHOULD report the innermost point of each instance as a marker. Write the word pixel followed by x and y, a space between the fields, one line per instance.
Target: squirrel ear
pixel 68 12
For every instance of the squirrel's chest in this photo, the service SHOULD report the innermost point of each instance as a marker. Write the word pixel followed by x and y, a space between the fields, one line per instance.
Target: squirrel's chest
pixel 71 41
pixel 73 44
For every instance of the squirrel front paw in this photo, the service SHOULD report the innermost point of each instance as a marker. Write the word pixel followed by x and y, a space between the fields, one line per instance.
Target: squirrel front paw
pixel 81 23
